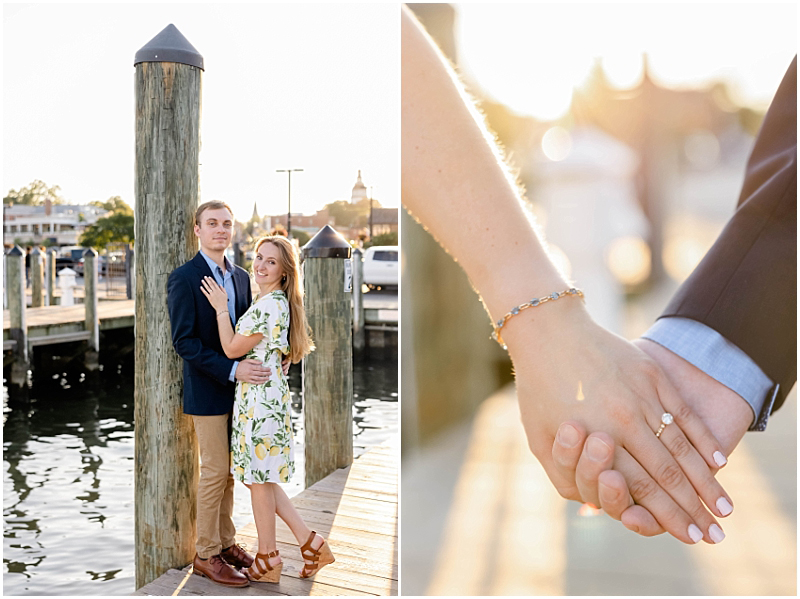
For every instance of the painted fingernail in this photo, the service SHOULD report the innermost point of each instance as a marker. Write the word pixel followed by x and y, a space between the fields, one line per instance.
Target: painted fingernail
pixel 695 534
pixel 720 459
pixel 598 450
pixel 568 436
pixel 716 534
pixel 724 506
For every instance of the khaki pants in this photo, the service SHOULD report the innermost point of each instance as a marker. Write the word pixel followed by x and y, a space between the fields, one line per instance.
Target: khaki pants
pixel 215 529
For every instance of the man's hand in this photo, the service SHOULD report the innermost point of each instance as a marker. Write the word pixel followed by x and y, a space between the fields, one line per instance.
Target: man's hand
pixel 253 372
pixel 581 372
pixel 285 365
pixel 726 414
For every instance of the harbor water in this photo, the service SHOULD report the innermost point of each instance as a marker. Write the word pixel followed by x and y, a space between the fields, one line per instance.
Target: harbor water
pixel 68 447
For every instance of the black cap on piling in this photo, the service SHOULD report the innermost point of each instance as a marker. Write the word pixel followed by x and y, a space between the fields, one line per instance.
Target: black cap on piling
pixel 15 251
pixel 169 46
pixel 327 243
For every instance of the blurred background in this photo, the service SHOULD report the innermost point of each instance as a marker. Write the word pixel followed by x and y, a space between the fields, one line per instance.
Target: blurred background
pixel 629 128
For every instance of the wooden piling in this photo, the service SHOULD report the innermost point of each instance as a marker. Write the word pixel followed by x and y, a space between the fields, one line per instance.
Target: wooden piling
pixel 37 278
pixel 50 276
pixel 15 282
pixel 129 272
pixel 358 300
pixel 90 264
pixel 168 88
pixel 328 370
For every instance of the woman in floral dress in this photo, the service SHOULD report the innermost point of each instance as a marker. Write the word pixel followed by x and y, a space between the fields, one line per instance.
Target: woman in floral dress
pixel 261 441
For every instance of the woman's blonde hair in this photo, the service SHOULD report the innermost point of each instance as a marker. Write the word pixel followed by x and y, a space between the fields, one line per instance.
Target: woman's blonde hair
pixel 300 342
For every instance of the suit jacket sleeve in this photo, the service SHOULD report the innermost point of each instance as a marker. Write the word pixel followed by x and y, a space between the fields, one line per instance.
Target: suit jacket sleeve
pixel 182 316
pixel 745 288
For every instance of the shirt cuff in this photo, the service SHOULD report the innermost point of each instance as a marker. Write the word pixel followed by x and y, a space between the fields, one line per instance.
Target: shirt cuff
pixel 720 359
pixel 232 376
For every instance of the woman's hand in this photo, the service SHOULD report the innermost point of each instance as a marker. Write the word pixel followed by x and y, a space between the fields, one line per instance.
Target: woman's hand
pixel 726 414
pixel 569 368
pixel 215 294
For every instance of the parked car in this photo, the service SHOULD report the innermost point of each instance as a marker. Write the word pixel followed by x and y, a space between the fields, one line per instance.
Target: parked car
pixel 380 266
pixel 102 265
pixel 68 256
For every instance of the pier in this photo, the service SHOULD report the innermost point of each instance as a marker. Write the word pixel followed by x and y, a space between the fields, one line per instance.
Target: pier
pixel 49 325
pixel 354 508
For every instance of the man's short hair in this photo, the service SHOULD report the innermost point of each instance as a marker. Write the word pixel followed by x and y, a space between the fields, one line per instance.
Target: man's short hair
pixel 212 205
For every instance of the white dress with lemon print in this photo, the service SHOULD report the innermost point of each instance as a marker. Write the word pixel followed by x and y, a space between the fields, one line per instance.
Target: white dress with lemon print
pixel 261 441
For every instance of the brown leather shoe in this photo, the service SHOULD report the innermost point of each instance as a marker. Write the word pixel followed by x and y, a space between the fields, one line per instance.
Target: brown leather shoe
pixel 215 569
pixel 237 557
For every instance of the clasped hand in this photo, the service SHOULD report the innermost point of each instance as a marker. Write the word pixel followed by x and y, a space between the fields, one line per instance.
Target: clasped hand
pixel 580 374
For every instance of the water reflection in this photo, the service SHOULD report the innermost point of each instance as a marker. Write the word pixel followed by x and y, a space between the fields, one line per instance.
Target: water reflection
pixel 68 470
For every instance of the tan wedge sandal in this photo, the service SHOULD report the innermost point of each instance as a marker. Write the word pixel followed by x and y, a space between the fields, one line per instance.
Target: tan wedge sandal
pixel 262 571
pixel 320 557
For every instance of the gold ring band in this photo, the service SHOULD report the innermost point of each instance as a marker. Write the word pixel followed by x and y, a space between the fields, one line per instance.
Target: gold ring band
pixel 666 418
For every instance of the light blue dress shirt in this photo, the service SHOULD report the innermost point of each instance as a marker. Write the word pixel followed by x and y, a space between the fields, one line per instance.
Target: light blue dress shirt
pixel 225 280
pixel 720 359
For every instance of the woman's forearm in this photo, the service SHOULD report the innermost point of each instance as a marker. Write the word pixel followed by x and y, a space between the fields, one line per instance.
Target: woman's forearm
pixel 454 181
pixel 225 332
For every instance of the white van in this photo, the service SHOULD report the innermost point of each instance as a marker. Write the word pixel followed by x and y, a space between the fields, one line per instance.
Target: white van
pixel 381 266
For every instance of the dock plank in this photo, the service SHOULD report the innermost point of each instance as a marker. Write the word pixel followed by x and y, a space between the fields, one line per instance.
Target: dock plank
pixel 355 508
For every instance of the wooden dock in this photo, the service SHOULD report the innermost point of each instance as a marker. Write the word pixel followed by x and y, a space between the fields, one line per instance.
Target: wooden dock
pixel 60 324
pixel 355 508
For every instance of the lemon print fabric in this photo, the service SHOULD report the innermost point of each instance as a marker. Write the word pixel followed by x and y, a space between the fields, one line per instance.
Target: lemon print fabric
pixel 261 441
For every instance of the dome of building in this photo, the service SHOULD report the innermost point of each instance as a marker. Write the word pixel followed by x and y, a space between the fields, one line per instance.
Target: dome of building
pixel 359 191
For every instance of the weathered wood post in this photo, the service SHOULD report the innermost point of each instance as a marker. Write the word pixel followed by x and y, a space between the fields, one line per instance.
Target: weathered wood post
pixel 15 281
pixel 328 370
pixel 50 276
pixel 358 300
pixel 129 272
pixel 168 87
pixel 37 278
pixel 90 263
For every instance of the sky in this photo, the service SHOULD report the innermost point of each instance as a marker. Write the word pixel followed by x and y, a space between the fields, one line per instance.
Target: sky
pixel 286 86
pixel 531 56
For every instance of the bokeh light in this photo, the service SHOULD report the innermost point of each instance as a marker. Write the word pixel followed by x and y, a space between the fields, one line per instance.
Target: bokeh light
pixel 628 259
pixel 556 143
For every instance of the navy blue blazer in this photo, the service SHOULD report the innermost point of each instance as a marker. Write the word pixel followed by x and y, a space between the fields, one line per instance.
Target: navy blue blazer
pixel 206 388
pixel 746 286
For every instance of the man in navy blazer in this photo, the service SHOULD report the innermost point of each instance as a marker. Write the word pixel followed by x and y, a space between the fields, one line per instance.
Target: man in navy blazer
pixel 209 385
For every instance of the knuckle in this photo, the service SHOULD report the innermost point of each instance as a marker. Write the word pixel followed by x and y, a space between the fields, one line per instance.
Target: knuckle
pixel 670 476
pixel 697 512
pixel 679 447
pixel 643 489
pixel 683 413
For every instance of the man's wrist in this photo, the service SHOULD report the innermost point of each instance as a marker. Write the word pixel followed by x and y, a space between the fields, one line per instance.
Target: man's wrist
pixel 232 377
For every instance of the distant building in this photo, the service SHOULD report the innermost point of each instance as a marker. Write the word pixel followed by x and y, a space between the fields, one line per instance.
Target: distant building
pixel 384 220
pixel 60 224
pixel 359 191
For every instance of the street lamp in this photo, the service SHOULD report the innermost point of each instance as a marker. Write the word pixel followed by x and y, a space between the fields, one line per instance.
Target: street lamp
pixel 289 213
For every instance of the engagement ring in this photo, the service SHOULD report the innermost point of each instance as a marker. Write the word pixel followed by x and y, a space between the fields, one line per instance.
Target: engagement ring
pixel 666 418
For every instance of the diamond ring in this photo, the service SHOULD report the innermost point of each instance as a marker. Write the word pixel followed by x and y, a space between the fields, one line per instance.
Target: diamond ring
pixel 666 418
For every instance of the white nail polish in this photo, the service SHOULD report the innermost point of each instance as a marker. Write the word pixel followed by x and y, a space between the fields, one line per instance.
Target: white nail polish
pixel 724 506
pixel 720 459
pixel 716 534
pixel 695 534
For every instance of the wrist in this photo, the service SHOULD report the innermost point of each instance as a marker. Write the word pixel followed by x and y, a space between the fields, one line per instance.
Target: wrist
pixel 540 330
